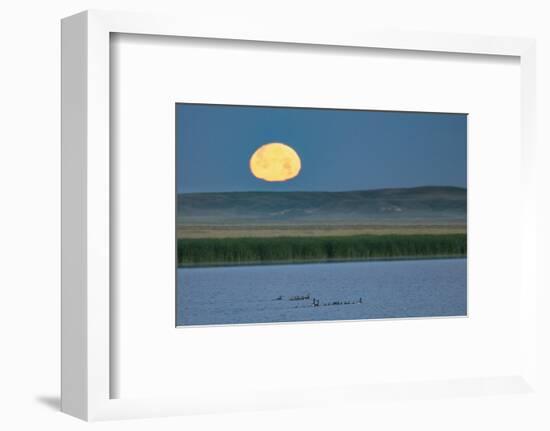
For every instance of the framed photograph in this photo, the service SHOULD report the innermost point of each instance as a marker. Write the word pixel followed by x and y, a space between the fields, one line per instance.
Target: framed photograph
pixel 323 210
pixel 309 214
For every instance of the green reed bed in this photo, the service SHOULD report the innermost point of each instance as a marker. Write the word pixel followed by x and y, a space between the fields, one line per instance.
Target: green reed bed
pixel 235 251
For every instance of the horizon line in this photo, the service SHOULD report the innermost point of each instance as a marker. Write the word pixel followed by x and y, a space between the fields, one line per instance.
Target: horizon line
pixel 329 191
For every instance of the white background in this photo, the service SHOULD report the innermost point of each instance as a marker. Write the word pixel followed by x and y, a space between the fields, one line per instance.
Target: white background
pixel 29 228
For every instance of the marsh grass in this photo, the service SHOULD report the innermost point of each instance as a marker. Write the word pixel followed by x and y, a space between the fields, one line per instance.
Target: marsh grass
pixel 235 251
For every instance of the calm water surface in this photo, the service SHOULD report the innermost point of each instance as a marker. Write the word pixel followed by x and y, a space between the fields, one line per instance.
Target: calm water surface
pixel 372 290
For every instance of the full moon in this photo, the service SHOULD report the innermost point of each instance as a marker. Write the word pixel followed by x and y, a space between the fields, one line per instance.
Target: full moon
pixel 275 162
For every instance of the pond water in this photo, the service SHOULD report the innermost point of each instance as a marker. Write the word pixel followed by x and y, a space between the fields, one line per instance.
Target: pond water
pixel 343 291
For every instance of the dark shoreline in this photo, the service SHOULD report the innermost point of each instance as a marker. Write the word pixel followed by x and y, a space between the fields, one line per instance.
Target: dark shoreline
pixel 318 261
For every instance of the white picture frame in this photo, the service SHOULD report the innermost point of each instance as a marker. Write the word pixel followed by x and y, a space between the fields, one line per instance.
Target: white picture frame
pixel 87 341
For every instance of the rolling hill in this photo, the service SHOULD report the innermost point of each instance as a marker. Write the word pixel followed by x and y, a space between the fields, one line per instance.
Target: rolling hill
pixel 428 205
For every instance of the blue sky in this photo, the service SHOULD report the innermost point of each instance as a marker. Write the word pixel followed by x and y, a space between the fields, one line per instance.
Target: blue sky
pixel 339 149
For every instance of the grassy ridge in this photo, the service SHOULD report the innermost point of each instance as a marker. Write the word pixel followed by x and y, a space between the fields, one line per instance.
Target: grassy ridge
pixel 233 251
pixel 428 204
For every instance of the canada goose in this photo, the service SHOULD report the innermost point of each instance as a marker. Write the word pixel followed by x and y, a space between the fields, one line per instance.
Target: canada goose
pixel 299 297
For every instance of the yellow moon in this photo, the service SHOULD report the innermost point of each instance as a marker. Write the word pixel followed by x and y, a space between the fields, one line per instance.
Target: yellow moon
pixel 275 162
